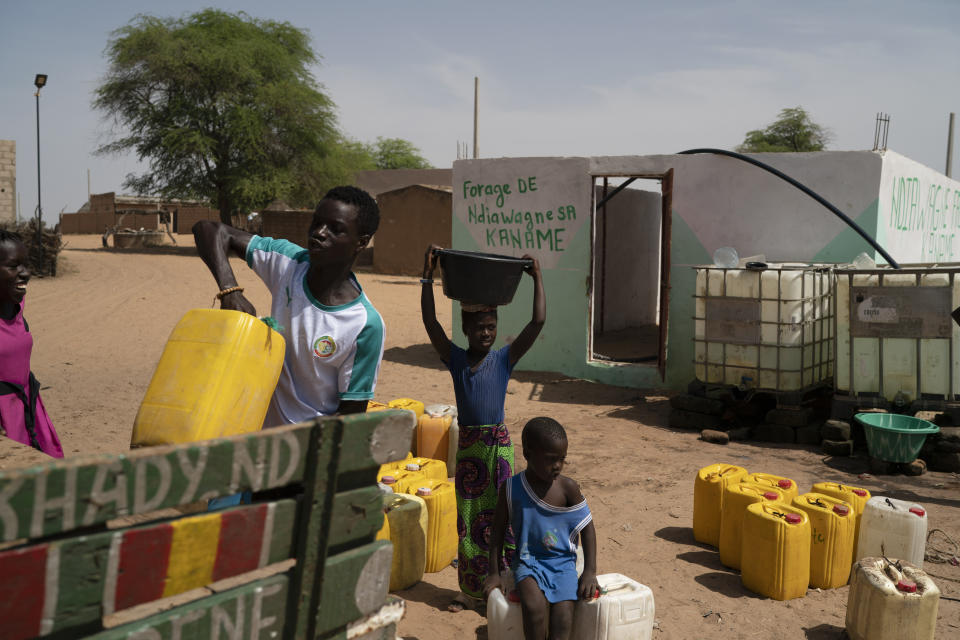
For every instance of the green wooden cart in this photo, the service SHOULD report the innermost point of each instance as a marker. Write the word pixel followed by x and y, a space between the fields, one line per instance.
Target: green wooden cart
pixel 77 559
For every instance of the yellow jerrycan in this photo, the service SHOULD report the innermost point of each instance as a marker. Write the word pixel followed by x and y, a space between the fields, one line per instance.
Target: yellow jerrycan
pixel 438 434
pixel 390 468
pixel 384 533
pixel 708 499
pixel 856 497
pixel 832 523
pixel 775 556
pixel 416 470
pixel 373 405
pixel 441 500
pixel 215 378
pixel 417 408
pixel 787 486
pixel 407 517
pixel 407 403
pixel 736 498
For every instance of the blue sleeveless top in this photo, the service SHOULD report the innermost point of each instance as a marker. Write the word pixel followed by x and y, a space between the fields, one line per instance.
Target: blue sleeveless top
pixel 480 394
pixel 546 539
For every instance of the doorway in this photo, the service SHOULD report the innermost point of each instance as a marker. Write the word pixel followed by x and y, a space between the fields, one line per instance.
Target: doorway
pixel 631 263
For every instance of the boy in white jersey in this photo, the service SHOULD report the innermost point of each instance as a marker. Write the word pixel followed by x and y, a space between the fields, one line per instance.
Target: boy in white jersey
pixel 334 337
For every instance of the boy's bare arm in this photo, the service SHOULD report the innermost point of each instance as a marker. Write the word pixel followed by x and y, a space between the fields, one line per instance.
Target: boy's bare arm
pixel 497 533
pixel 438 338
pixel 215 242
pixel 539 316
pixel 588 586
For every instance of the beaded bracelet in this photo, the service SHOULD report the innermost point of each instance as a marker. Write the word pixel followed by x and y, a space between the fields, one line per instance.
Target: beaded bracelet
pixel 227 291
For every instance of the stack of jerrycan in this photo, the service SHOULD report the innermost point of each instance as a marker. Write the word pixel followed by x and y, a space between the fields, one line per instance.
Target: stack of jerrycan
pixel 708 493
pixel 441 504
pixel 438 435
pixel 856 497
pixel 832 526
pixel 891 601
pixel 775 551
pixel 893 528
pixel 736 499
pixel 215 378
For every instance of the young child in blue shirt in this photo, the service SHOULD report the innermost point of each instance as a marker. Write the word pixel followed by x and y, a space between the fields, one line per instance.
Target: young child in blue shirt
pixel 548 514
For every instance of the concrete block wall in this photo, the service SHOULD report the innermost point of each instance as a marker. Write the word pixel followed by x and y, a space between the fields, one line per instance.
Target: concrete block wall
pixel 189 216
pixel 291 225
pixel 8 180
pixel 137 221
pixel 411 219
pixel 70 223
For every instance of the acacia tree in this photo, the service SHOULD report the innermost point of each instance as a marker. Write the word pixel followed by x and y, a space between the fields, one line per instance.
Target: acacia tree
pixel 315 174
pixel 222 106
pixel 397 153
pixel 792 131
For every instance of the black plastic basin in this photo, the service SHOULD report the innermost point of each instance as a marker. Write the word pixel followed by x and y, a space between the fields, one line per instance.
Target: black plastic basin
pixel 480 278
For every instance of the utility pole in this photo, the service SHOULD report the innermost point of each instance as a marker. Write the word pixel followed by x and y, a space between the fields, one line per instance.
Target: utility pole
pixel 476 90
pixel 950 146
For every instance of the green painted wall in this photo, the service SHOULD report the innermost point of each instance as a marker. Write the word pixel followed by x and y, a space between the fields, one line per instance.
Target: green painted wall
pixel 726 204
pixel 562 345
pixel 848 243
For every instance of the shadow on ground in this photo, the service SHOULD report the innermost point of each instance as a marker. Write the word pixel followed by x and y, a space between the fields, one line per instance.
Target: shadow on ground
pixel 825 632
pixel 727 584
pixel 556 387
pixel 165 250
pixel 417 355
pixel 428 594
pixel 679 535
pixel 707 559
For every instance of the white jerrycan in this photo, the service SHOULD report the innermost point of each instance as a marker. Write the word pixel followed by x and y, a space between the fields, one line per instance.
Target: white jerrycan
pixel 504 616
pixel 624 611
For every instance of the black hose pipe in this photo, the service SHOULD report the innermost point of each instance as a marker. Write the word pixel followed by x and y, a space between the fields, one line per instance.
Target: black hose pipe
pixel 816 196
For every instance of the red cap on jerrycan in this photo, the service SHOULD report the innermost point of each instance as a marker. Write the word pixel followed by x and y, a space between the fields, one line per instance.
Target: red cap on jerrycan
pixel 917 511
pixel 770 495
pixel 841 509
pixel 784 483
pixel 907 586
pixel 793 518
pixel 860 492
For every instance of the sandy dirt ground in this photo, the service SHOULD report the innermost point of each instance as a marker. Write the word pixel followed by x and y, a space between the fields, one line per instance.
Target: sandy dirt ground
pixel 101 325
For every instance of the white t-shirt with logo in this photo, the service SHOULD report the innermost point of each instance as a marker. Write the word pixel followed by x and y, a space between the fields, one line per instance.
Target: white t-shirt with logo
pixel 332 353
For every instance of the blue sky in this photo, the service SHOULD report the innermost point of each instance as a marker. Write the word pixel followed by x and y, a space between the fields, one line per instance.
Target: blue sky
pixel 557 78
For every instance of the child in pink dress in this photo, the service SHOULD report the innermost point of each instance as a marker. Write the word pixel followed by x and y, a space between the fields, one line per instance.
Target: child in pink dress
pixel 22 415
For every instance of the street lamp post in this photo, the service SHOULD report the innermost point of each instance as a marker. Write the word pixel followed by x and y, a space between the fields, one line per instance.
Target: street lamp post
pixel 39 82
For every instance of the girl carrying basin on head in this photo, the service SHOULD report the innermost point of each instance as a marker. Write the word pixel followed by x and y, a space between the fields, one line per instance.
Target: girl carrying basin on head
pixel 485 453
